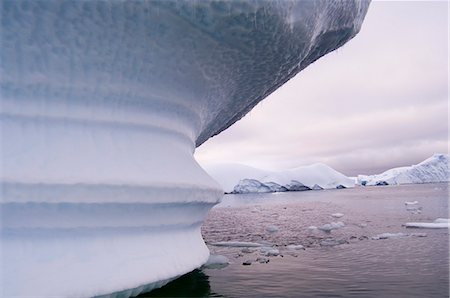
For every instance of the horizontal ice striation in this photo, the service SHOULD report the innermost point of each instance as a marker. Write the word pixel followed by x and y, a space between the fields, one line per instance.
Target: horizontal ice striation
pixel 102 106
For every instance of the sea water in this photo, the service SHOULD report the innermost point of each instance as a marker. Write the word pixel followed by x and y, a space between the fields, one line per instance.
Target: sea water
pixel 353 259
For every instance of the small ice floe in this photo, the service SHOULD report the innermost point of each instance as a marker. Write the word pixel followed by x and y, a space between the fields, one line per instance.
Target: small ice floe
pixel 408 203
pixel 414 210
pixel 216 262
pixel 418 234
pixel 266 243
pixel 332 226
pixel 295 247
pixel 272 229
pixel 439 223
pixel 236 244
pixel 332 242
pixel 388 236
pixel 247 263
pixel 312 228
pixel 337 215
pixel 362 225
pixel 269 251
pixel 247 250
pixel 262 260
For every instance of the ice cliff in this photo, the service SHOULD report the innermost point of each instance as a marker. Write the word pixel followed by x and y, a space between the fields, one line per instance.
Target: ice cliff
pixel 238 178
pixel 431 170
pixel 102 106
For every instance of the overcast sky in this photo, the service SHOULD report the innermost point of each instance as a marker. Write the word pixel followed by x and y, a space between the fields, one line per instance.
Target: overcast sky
pixel 378 102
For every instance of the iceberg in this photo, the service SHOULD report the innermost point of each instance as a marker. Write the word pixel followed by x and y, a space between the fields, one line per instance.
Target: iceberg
pixel 432 170
pixel 439 223
pixel 236 177
pixel 102 106
pixel 251 186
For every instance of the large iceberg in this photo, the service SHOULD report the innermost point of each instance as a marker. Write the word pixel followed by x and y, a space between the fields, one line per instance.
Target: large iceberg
pixel 237 178
pixel 102 106
pixel 431 170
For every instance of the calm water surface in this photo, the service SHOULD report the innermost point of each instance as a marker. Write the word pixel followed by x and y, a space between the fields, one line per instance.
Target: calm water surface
pixel 407 266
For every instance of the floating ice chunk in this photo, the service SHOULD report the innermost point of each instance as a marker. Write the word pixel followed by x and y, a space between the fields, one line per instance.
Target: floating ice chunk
pixel 262 260
pixel 332 242
pixel 236 244
pixel 388 235
pixel 269 251
pixel 418 234
pixel 428 225
pixel 407 203
pixel 216 262
pixel 247 263
pixel 266 243
pixel 332 226
pixel 295 247
pixel 312 228
pixel 337 215
pixel 272 229
pixel 247 250
pixel 442 220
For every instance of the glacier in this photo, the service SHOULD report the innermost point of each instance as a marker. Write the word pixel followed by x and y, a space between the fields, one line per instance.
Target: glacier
pixel 432 170
pixel 102 106
pixel 239 178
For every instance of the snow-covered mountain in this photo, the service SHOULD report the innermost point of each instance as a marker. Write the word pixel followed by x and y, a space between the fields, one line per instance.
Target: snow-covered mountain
pixel 433 169
pixel 238 178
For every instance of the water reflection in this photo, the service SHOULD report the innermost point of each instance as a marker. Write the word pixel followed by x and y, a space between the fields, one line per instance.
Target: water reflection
pixel 193 284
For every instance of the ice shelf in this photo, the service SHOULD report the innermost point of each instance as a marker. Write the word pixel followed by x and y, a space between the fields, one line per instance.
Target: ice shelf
pixel 102 106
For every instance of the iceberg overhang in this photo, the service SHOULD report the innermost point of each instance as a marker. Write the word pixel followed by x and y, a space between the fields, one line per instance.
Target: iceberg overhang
pixel 102 106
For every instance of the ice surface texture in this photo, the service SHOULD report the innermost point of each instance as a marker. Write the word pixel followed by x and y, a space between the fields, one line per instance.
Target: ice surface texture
pixel 102 106
pixel 431 170
pixel 239 178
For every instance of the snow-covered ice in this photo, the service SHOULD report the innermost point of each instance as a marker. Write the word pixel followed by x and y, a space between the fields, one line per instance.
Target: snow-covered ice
pixel 433 169
pixel 272 228
pixel 332 226
pixel 269 251
pixel 237 244
pixel 216 262
pixel 418 235
pixel 238 178
pixel 408 203
pixel 103 104
pixel 337 215
pixel 250 186
pixel 388 235
pixel 439 223
pixel 295 247
pixel 262 260
pixel 332 242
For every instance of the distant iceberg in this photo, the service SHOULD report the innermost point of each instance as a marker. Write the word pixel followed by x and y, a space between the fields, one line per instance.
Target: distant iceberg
pixel 102 106
pixel 431 170
pixel 237 178
pixel 251 186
